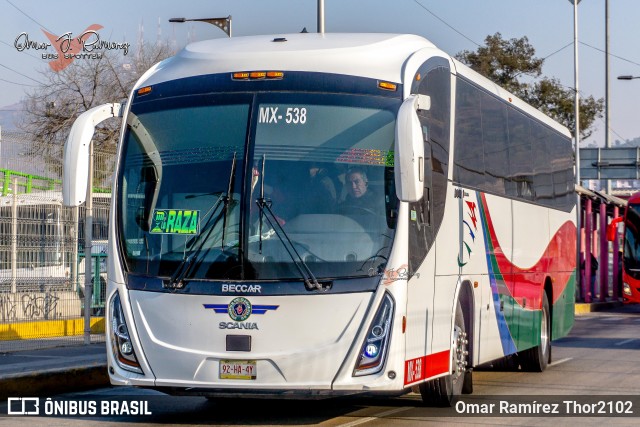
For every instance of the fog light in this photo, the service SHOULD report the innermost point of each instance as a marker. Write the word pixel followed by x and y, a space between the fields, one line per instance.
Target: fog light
pixel 371 350
pixel 626 289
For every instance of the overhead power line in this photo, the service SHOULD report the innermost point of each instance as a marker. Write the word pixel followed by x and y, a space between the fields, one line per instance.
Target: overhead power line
pixel 610 54
pixel 25 14
pixel 13 47
pixel 19 84
pixel 445 22
pixel 18 72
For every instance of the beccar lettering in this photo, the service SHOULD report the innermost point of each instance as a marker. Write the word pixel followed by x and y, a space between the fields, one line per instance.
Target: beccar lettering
pixel 241 288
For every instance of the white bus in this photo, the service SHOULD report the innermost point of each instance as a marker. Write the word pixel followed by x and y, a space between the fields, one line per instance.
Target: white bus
pixel 319 215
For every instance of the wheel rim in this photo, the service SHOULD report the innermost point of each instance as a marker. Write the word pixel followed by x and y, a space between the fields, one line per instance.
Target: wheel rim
pixel 459 359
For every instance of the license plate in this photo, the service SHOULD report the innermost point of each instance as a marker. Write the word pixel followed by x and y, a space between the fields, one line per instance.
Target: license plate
pixel 238 370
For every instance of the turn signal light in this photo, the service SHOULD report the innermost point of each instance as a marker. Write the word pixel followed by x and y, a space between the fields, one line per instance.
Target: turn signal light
pixel 144 90
pixel 387 86
pixel 257 75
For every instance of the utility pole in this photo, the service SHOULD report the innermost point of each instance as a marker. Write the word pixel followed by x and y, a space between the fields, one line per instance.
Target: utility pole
pixel 577 141
pixel 607 141
pixel 321 16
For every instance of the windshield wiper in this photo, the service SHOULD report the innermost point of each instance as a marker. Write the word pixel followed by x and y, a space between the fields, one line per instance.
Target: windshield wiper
pixel 264 204
pixel 176 281
pixel 228 198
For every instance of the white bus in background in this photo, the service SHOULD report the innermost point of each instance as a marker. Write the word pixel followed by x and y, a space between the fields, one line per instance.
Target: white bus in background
pixel 245 262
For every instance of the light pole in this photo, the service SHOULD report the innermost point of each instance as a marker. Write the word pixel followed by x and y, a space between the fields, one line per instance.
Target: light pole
pixel 223 23
pixel 607 116
pixel 577 141
pixel 321 16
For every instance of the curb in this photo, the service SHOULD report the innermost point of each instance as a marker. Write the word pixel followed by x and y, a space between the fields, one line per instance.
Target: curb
pixel 49 329
pixel 584 308
pixel 55 381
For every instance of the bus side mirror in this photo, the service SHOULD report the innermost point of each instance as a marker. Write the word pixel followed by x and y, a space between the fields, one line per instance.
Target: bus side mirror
pixel 409 149
pixel 76 153
pixel 612 229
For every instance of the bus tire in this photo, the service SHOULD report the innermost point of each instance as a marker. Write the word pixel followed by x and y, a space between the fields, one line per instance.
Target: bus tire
pixel 537 358
pixel 444 391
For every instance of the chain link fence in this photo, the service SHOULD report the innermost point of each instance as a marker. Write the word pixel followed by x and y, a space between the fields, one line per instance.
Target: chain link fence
pixel 42 265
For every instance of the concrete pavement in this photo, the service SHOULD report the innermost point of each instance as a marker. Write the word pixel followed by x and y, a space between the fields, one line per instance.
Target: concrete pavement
pixel 50 371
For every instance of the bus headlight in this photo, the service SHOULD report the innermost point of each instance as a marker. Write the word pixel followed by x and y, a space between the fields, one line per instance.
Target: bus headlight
pixel 121 345
pixel 626 289
pixel 373 352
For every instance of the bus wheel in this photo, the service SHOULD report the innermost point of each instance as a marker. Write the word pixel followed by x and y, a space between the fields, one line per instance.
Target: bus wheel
pixel 444 390
pixel 537 358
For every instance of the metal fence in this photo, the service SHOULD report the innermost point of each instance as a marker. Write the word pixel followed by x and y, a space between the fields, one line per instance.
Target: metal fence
pixel 42 265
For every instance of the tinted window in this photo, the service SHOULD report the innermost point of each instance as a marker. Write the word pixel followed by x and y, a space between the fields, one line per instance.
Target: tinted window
pixel 469 151
pixel 505 152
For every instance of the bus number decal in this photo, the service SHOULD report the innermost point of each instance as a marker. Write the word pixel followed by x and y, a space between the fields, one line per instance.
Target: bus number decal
pixel 427 366
pixel 293 115
pixel 413 370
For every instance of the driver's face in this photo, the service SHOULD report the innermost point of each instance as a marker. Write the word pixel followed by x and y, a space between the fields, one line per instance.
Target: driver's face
pixel 356 184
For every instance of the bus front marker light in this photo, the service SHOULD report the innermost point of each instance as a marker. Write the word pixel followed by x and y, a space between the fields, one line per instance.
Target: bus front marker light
pixel 373 351
pixel 392 375
pixel 626 289
pixel 121 345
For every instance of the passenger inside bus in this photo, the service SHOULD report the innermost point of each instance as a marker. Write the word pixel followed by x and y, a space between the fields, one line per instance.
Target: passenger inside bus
pixel 321 194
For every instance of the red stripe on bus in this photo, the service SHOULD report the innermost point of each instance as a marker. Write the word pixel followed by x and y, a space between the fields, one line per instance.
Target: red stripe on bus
pixel 425 367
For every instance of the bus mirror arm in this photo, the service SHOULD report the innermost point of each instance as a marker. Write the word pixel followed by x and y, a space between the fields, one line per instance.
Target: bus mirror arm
pixel 76 152
pixel 612 229
pixel 409 149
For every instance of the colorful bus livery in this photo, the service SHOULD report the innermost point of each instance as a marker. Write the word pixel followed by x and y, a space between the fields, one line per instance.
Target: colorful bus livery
pixel 528 290
pixel 372 215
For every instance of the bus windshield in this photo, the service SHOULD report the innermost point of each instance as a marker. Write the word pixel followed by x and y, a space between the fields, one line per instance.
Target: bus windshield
pixel 266 186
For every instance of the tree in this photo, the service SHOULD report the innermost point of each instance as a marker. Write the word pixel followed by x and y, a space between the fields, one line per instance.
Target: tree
pixel 506 62
pixel 51 108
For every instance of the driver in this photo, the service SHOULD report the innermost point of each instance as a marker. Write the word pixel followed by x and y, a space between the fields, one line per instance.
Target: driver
pixel 358 192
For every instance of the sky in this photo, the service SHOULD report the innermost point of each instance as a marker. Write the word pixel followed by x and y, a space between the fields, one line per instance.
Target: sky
pixel 453 25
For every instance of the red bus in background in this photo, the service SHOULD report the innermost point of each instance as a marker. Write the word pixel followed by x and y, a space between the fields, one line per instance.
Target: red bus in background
pixel 631 248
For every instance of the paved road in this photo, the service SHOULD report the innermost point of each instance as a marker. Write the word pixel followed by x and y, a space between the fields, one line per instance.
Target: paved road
pixel 600 357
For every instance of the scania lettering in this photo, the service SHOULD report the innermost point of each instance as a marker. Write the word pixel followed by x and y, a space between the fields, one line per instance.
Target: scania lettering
pixel 386 216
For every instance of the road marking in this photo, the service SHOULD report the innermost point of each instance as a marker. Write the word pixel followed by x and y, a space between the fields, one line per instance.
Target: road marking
pixel 626 341
pixel 375 417
pixel 612 318
pixel 557 362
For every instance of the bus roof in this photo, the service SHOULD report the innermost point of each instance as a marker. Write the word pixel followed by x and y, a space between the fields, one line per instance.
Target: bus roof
pixel 379 56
